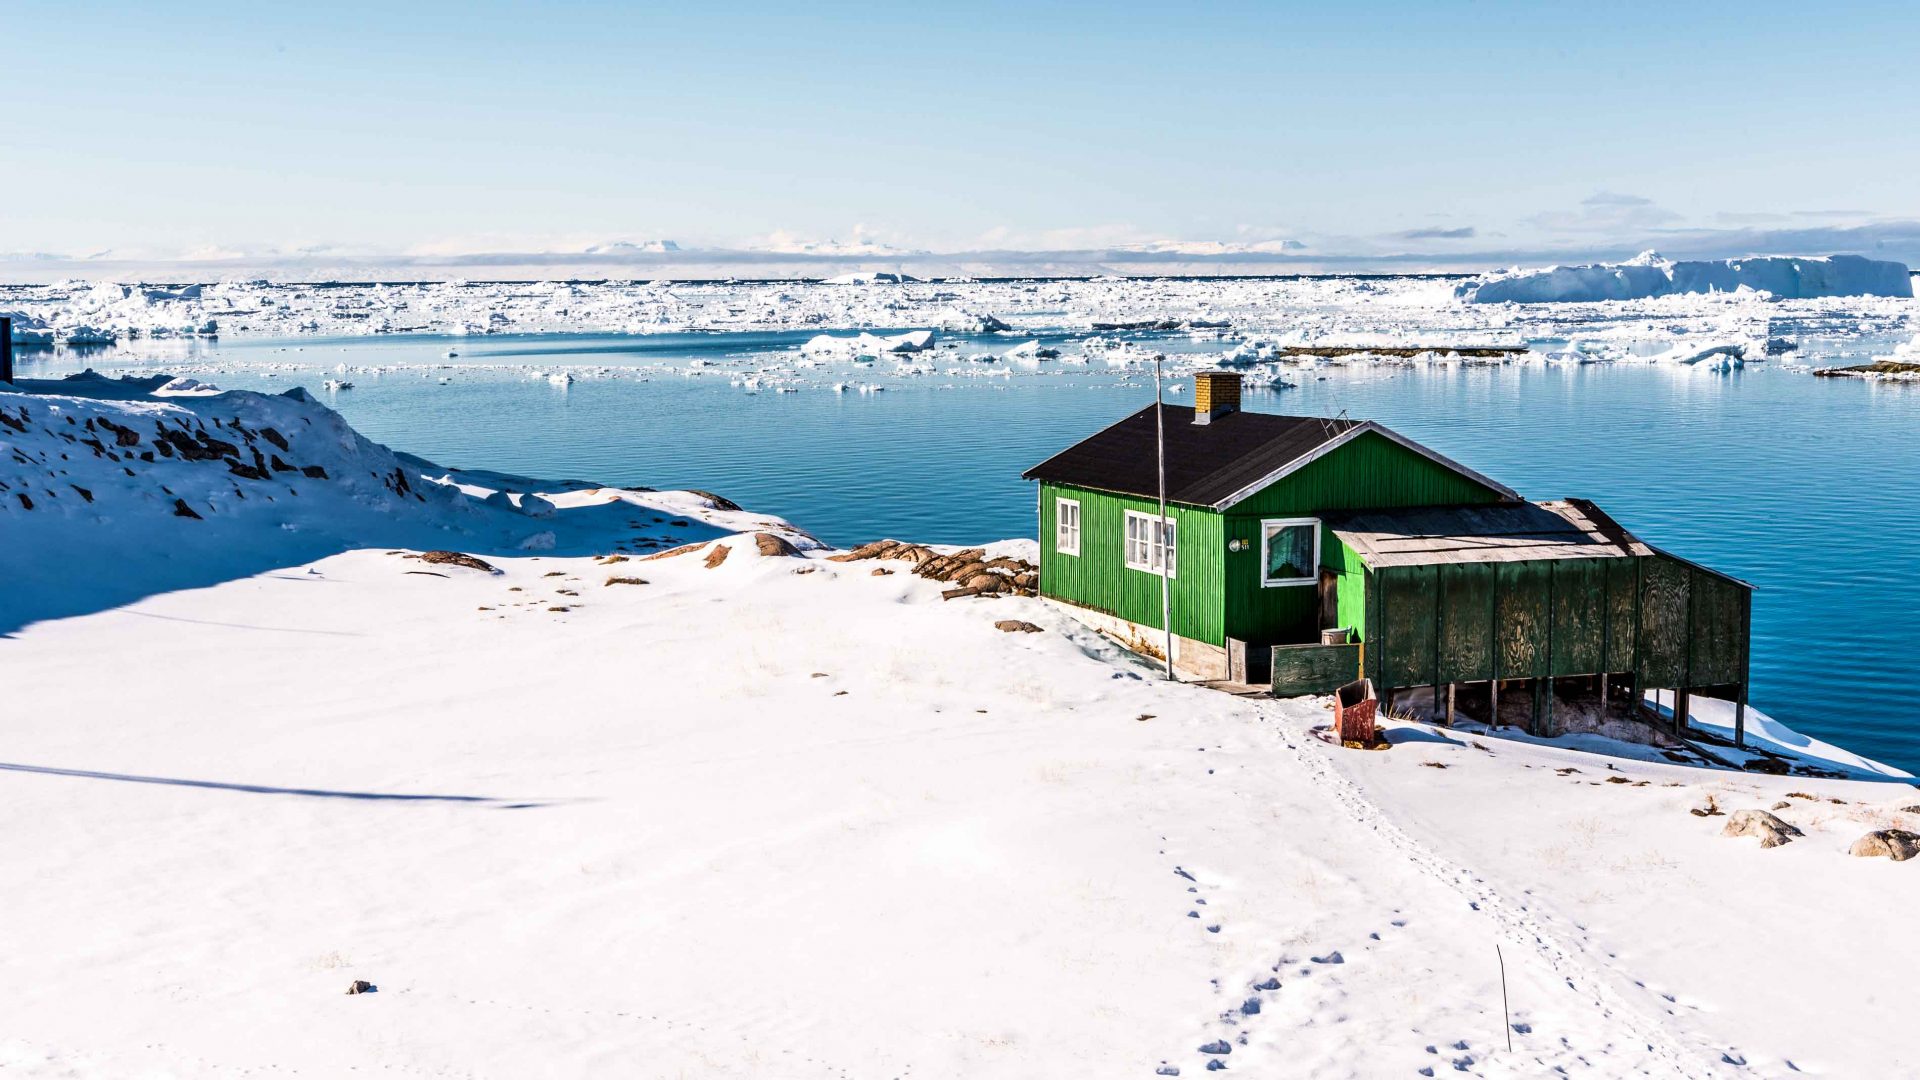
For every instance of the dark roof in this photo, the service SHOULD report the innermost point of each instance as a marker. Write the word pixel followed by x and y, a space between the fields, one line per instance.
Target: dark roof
pixel 1213 465
pixel 1206 463
pixel 1495 532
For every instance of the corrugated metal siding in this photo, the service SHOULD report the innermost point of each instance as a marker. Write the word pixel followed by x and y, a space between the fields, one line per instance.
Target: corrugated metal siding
pixel 1100 579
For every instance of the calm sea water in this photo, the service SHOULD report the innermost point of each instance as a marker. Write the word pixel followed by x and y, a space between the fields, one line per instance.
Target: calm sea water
pixel 1806 487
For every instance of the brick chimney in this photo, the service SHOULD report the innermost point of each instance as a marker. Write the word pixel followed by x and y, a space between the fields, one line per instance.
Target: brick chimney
pixel 1215 394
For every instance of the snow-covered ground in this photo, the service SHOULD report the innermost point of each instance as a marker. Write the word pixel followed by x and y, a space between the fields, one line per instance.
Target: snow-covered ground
pixel 784 816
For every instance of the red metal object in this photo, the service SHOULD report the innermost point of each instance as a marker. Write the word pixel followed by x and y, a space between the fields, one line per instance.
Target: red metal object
pixel 1354 707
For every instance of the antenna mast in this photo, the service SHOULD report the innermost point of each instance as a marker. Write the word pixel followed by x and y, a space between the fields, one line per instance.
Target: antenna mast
pixel 1166 548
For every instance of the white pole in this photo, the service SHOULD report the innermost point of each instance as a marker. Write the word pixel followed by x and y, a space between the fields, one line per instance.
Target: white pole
pixel 1166 549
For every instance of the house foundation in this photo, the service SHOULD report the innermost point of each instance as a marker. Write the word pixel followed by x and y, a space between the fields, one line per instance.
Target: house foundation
pixel 1194 659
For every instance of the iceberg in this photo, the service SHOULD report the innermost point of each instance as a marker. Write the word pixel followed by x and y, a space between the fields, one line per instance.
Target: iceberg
pixel 1783 277
pixel 867 345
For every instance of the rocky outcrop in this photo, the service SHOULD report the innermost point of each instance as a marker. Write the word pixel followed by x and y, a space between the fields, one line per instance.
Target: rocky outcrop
pixel 1896 844
pixel 969 570
pixel 775 546
pixel 455 558
pixel 1763 826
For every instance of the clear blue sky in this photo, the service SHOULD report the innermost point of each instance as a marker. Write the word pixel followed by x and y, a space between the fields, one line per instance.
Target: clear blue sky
pixel 415 125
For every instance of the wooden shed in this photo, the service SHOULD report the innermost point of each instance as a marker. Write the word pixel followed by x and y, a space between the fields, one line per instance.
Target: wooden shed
pixel 1303 552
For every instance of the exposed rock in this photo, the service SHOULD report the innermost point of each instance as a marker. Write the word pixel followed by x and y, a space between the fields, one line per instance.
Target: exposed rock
pixel 313 472
pixel 671 552
pixel 718 555
pixel 1781 805
pixel 1770 765
pixel 881 571
pixel 181 509
pixel 456 558
pixel 274 437
pixel 1896 844
pixel 1218 1046
pixel 775 546
pixel 122 436
pixel 715 501
pixel 1763 826
pixel 361 986
pixel 970 570
pixel 1016 626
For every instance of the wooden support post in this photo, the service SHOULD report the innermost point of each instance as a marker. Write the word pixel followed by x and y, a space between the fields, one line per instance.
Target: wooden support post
pixel 1436 700
pixel 1740 718
pixel 1546 695
pixel 1493 703
pixel 1604 680
pixel 1450 689
pixel 1682 702
pixel 1533 721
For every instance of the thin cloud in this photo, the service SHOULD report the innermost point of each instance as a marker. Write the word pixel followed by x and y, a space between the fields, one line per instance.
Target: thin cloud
pixel 1464 232
pixel 1606 212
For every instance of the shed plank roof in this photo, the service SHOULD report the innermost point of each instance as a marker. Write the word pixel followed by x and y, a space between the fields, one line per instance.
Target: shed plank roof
pixel 1496 532
pixel 1206 463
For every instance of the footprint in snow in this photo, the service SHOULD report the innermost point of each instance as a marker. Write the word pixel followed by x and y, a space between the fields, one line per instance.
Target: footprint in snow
pixel 1333 957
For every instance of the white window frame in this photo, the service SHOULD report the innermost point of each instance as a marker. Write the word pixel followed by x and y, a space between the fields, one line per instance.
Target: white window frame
pixel 1267 526
pixel 1061 533
pixel 1152 551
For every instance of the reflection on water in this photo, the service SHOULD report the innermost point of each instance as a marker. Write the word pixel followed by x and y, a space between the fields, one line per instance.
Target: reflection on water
pixel 1805 487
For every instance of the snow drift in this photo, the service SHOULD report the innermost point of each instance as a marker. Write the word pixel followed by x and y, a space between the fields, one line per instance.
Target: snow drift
pixel 1649 275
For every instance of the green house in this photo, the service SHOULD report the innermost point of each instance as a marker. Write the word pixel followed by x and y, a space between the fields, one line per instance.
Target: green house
pixel 1302 553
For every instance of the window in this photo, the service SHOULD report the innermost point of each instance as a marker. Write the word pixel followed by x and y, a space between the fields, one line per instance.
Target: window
pixel 1289 551
pixel 1145 551
pixel 1066 526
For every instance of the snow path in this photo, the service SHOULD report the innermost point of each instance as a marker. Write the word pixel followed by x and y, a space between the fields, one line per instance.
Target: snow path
pixel 1594 980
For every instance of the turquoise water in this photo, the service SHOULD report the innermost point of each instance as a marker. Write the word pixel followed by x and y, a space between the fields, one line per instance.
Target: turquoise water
pixel 1806 487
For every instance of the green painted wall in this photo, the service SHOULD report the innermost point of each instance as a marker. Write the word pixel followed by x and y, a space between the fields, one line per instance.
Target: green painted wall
pixel 1218 594
pixel 1100 579
pixel 1371 472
